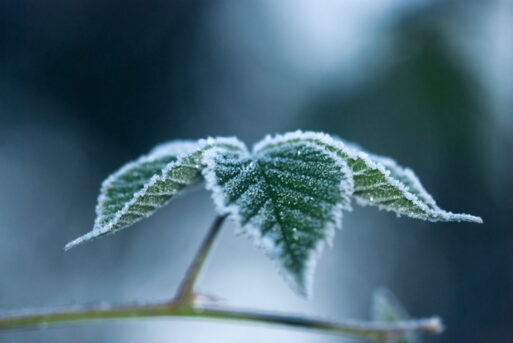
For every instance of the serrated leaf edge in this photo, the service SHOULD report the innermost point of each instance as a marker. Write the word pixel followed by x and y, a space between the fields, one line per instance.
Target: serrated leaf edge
pixel 376 162
pixel 437 213
pixel 408 173
pixel 253 233
pixel 99 230
pixel 159 151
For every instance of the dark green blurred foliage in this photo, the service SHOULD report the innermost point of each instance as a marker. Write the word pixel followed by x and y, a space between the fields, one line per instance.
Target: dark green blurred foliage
pixel 427 95
pixel 428 108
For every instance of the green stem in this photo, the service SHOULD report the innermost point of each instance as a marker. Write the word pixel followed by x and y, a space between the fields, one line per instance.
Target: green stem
pixel 185 292
pixel 183 306
pixel 367 330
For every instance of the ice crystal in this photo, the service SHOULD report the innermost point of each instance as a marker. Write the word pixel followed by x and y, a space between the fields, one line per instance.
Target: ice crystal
pixel 141 187
pixel 287 194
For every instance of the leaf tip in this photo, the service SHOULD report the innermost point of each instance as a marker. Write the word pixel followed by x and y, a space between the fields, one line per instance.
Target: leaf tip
pixel 72 244
pixel 300 283
pixel 468 218
pixel 476 219
pixel 302 290
pixel 304 293
pixel 82 239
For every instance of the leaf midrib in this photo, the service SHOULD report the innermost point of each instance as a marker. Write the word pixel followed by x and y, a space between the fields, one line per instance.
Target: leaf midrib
pixel 276 214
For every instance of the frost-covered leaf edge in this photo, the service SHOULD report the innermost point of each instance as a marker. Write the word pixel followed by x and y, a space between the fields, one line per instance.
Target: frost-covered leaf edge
pixel 414 191
pixel 178 148
pixel 254 234
pixel 423 199
pixel 181 148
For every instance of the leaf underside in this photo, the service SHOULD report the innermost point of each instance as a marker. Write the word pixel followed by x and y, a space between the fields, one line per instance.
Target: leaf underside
pixel 287 194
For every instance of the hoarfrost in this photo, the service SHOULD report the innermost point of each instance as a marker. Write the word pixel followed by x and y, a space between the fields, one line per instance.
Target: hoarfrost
pixel 287 195
pixel 141 187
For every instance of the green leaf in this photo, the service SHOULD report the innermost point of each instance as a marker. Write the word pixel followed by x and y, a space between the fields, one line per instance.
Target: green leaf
pixel 288 196
pixel 379 181
pixel 387 309
pixel 141 187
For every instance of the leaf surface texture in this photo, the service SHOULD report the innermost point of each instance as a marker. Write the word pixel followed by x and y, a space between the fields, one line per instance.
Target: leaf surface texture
pixel 288 196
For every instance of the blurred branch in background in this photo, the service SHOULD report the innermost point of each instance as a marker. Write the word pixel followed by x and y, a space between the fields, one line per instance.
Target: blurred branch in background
pixel 183 305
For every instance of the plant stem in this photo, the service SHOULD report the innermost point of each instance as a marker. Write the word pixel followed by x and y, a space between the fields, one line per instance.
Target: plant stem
pixel 185 292
pixel 368 330
pixel 183 306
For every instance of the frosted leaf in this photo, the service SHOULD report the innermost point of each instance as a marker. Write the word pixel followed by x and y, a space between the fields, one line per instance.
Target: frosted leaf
pixel 288 196
pixel 141 187
pixel 379 181
pixel 387 309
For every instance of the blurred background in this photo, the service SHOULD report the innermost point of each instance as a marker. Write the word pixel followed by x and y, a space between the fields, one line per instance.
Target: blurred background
pixel 87 86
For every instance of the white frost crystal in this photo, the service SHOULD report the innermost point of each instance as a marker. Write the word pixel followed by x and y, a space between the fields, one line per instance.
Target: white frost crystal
pixel 141 187
pixel 287 195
